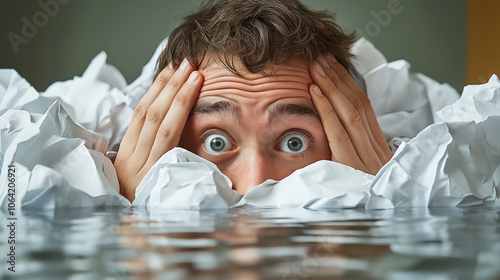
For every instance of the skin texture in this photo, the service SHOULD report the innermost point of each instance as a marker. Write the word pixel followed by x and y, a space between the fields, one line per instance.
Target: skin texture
pixel 258 119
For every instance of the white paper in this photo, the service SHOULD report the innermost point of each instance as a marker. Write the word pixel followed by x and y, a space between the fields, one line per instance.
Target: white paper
pixel 60 163
pixel 53 167
pixel 58 140
pixel 453 163
pixel 183 180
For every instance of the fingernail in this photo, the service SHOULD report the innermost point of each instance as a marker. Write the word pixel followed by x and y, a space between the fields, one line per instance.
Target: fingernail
pixel 319 69
pixel 323 61
pixel 317 91
pixel 193 77
pixel 184 64
pixel 332 58
pixel 170 66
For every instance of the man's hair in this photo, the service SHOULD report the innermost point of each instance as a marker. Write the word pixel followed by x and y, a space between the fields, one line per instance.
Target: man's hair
pixel 260 33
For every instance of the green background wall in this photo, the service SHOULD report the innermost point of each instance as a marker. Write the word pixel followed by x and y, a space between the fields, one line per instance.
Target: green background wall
pixel 430 34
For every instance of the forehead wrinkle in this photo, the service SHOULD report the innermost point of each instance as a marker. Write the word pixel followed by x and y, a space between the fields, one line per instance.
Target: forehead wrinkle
pixel 291 76
pixel 282 109
pixel 254 87
pixel 287 79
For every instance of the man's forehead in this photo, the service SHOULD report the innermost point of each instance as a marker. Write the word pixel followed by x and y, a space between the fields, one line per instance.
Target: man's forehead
pixel 296 66
pixel 252 96
pixel 292 80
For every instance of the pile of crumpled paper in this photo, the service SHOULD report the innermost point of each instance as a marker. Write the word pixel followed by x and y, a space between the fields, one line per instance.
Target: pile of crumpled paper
pixel 447 148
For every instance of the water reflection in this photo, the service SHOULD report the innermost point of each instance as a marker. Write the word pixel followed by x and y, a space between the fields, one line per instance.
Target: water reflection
pixel 249 243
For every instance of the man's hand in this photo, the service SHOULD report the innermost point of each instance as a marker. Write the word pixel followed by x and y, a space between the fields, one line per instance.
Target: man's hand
pixel 350 124
pixel 156 125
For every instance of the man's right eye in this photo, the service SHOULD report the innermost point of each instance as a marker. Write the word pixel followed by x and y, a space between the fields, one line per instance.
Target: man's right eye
pixel 216 143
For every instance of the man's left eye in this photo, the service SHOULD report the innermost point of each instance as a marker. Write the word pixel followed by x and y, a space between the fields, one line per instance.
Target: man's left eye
pixel 294 143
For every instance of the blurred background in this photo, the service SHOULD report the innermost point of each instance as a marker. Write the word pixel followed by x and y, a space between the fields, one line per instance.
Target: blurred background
pixel 54 40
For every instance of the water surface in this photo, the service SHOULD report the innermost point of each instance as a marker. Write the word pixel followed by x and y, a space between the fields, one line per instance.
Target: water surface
pixel 255 243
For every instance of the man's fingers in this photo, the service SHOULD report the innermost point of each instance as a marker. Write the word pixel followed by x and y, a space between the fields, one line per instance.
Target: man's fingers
pixel 157 124
pixel 170 130
pixel 349 116
pixel 371 119
pixel 131 137
pixel 359 100
pixel 339 141
pixel 158 110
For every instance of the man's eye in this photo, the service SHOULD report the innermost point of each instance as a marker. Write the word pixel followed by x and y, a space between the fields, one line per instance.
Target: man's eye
pixel 217 143
pixel 294 143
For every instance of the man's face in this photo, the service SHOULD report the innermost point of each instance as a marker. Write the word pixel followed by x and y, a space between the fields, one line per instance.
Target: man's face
pixel 255 127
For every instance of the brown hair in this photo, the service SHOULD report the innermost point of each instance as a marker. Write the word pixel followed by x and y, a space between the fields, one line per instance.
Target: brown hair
pixel 257 32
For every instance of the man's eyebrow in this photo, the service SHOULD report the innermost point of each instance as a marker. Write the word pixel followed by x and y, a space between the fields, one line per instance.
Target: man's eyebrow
pixel 281 109
pixel 222 106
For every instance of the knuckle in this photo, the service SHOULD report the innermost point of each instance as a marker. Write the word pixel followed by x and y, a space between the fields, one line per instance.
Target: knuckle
pixel 359 107
pixel 163 77
pixel 163 133
pixel 139 112
pixel 153 115
pixel 180 100
pixel 355 118
pixel 173 84
pixel 330 113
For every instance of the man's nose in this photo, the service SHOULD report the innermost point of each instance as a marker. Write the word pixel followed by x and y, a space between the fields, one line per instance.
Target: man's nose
pixel 254 169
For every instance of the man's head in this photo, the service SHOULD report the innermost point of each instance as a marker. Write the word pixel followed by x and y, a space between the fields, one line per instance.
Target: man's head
pixel 254 117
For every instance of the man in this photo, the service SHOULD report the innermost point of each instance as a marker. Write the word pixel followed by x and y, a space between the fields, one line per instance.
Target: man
pixel 258 87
